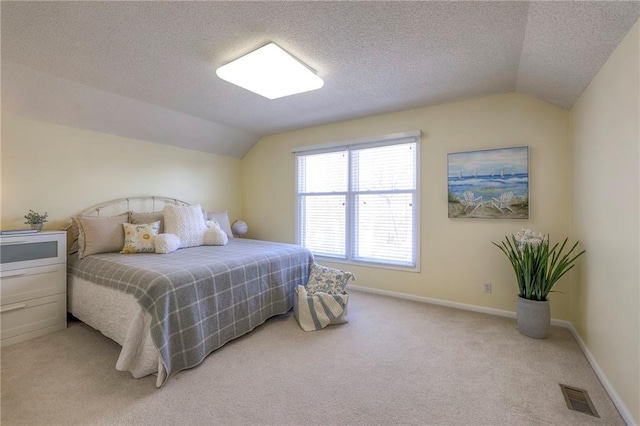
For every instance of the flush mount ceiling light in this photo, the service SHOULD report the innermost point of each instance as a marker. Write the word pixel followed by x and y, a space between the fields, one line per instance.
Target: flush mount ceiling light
pixel 270 72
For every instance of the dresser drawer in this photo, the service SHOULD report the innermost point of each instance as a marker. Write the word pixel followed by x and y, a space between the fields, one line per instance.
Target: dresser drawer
pixel 32 315
pixel 21 284
pixel 26 251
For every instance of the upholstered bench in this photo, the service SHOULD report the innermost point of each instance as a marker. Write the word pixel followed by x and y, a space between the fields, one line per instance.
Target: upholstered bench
pixel 324 300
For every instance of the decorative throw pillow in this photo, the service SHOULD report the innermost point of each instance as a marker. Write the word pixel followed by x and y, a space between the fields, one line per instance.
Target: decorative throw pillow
pixel 327 280
pixel 139 238
pixel 166 243
pixel 100 234
pixel 215 236
pixel 223 220
pixel 142 218
pixel 186 222
pixel 74 235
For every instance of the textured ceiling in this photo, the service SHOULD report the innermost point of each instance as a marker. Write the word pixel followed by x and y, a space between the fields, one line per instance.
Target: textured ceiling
pixel 159 59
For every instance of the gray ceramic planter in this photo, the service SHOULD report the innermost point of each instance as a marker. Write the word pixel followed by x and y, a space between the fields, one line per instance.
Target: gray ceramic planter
pixel 534 318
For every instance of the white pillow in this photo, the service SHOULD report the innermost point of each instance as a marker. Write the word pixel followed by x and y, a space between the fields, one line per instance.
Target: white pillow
pixel 223 220
pixel 166 243
pixel 212 223
pixel 186 222
pixel 215 236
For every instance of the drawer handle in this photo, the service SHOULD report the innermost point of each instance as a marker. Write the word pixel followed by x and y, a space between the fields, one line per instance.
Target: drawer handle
pixel 13 308
pixel 12 274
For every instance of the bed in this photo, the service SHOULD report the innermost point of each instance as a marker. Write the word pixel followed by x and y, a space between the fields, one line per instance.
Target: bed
pixel 169 311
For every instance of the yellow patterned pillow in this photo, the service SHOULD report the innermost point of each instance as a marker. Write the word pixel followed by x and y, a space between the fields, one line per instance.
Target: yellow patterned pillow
pixel 139 238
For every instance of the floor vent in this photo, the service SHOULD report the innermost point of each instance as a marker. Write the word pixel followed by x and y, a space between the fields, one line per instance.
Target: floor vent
pixel 578 400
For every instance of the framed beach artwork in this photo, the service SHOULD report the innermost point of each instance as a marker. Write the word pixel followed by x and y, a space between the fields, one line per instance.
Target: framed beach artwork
pixel 489 184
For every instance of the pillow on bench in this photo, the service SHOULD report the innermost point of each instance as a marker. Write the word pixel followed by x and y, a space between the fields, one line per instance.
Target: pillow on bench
pixel 327 280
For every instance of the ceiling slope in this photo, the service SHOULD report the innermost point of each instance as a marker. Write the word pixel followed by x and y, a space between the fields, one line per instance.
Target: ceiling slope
pixel 158 59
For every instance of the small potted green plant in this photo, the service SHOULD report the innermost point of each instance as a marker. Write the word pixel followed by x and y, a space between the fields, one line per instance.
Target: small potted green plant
pixel 537 267
pixel 35 219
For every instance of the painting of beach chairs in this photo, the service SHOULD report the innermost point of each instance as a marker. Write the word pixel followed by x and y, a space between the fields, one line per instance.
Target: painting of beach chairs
pixel 489 184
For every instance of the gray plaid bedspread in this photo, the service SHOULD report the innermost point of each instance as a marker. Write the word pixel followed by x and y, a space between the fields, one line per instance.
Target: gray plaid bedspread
pixel 202 297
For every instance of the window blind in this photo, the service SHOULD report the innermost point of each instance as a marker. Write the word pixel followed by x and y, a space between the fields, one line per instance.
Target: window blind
pixel 322 192
pixel 360 202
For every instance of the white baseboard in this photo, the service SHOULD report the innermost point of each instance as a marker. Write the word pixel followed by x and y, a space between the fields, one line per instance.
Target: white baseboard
pixel 624 412
pixel 464 306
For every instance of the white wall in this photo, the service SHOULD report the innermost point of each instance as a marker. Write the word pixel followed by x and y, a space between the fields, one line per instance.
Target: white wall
pixel 64 170
pixel 606 140
pixel 457 256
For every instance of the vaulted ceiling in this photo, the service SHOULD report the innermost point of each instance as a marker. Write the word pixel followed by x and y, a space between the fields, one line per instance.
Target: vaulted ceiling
pixel 147 69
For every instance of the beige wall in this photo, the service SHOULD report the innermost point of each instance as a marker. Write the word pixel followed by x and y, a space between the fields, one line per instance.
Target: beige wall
pixel 606 138
pixel 64 170
pixel 457 256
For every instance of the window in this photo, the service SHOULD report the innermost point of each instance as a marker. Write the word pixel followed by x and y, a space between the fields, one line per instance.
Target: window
pixel 359 202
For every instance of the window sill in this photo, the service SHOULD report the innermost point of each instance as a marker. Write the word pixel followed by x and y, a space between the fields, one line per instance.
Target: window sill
pixel 415 269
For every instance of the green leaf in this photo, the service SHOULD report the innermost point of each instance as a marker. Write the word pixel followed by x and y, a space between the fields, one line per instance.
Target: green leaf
pixel 537 269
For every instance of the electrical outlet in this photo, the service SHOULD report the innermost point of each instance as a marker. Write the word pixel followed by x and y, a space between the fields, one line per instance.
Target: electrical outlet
pixel 487 288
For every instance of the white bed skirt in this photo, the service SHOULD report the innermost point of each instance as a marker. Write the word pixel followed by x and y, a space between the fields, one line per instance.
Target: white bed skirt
pixel 118 316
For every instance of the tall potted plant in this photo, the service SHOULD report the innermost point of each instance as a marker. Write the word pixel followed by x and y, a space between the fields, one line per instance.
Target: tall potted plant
pixel 537 267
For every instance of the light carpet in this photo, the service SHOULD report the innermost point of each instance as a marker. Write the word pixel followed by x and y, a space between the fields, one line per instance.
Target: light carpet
pixel 395 362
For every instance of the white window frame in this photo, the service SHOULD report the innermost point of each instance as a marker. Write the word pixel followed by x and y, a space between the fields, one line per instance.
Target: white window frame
pixel 386 140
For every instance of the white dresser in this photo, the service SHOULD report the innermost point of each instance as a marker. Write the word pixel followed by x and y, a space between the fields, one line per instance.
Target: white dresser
pixel 33 285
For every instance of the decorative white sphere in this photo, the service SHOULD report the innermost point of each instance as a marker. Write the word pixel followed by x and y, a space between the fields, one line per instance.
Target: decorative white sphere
pixel 239 227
